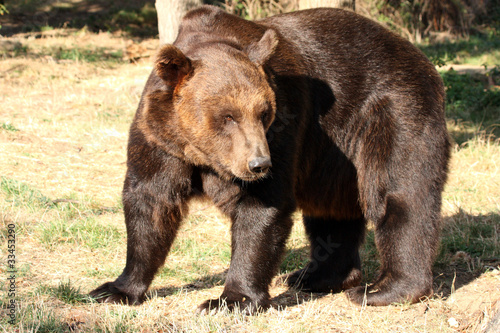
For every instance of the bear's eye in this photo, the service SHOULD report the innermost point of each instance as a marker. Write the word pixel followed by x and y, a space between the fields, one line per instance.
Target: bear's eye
pixel 264 116
pixel 228 118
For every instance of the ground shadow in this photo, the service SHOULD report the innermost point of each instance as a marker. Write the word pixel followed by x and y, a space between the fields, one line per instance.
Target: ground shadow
pixel 134 17
pixel 204 282
pixel 469 248
pixel 294 259
pixel 293 297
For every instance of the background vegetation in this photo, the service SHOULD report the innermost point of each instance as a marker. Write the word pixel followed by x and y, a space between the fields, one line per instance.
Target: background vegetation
pixel 71 74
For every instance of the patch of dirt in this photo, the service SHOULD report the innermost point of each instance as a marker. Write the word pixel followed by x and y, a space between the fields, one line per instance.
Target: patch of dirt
pixel 473 305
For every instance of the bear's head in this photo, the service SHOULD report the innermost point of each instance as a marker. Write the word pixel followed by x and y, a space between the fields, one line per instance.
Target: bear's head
pixel 214 105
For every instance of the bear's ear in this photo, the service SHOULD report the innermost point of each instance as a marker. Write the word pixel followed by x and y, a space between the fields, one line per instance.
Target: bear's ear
pixel 172 66
pixel 261 51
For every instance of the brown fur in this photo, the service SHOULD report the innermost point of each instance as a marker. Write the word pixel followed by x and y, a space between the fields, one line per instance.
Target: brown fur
pixel 321 110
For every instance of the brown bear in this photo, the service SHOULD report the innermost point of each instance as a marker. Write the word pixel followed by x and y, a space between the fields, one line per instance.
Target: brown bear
pixel 320 110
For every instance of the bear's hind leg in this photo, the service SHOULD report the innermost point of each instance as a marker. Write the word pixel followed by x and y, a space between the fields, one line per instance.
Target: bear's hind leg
pixel 335 264
pixel 407 241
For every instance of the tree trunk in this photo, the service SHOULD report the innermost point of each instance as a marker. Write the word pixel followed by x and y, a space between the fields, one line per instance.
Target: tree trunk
pixel 346 4
pixel 170 13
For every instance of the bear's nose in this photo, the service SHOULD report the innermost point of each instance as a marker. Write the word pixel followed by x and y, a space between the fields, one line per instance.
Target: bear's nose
pixel 260 164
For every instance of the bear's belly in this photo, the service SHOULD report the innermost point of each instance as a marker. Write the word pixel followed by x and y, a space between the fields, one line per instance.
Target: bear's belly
pixel 327 187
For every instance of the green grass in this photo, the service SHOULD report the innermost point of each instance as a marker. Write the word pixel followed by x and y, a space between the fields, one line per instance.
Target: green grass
pixel 369 258
pixel 481 49
pixel 473 108
pixel 43 321
pixel 8 127
pixel 468 99
pixel 71 221
pixel 74 52
pixel 474 235
pixel 98 54
pixel 64 292
pixel 37 317
pixel 84 231
pixel 472 104
pixel 21 194
pixel 295 258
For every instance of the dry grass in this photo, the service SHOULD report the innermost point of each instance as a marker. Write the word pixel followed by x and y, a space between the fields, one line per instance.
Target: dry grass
pixel 63 133
pixel 475 179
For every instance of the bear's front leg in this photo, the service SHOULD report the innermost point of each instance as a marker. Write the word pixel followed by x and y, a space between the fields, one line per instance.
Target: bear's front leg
pixel 152 218
pixel 259 236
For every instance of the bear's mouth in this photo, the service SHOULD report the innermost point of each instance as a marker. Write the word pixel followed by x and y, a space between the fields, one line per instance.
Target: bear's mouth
pixel 256 169
pixel 252 177
pixel 233 172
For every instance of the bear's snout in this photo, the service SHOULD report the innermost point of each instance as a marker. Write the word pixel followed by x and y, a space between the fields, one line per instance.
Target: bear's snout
pixel 260 164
